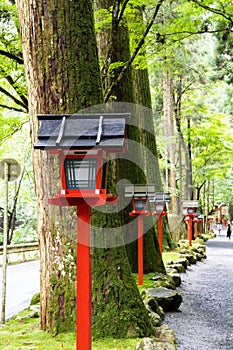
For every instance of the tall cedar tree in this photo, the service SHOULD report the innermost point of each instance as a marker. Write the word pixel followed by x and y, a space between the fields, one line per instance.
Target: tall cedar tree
pixel 143 97
pixel 62 72
pixel 114 49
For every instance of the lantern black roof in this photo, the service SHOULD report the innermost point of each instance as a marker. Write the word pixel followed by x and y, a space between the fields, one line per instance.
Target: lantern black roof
pixel 147 190
pixel 140 190
pixel 81 131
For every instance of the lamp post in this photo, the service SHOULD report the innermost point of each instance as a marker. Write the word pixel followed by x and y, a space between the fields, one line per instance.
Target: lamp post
pixel 140 199
pixel 160 200
pixel 189 220
pixel 195 221
pixel 160 211
pixel 201 226
pixel 211 225
pixel 82 143
pixel 140 209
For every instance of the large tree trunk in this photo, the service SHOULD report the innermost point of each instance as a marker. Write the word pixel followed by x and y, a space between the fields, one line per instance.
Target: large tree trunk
pixel 114 48
pixel 151 163
pixel 62 71
pixel 60 78
pixel 168 109
pixel 148 137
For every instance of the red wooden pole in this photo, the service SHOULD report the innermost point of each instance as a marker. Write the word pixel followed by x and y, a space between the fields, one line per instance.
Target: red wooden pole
pixel 201 226
pixel 190 230
pixel 220 209
pixel 140 250
pixel 195 229
pixel 160 233
pixel 83 291
pixel 211 225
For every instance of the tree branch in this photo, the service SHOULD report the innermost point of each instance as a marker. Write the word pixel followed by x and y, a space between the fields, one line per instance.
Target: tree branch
pixel 16 100
pixel 24 101
pixel 139 46
pixel 122 10
pixel 12 56
pixel 13 212
pixel 226 15
pixel 11 108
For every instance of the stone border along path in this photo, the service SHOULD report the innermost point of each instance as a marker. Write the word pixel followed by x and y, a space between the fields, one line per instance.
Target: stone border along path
pixel 204 320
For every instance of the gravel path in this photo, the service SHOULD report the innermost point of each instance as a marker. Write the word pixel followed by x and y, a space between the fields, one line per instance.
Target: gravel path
pixel 205 318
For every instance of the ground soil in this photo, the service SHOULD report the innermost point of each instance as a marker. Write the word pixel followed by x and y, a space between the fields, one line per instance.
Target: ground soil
pixel 205 318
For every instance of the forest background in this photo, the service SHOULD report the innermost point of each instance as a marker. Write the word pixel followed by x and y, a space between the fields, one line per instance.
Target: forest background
pixel 197 41
pixel 187 48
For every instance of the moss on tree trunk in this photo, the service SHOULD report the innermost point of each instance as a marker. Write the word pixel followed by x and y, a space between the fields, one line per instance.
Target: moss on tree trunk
pixel 62 71
pixel 118 310
pixel 114 47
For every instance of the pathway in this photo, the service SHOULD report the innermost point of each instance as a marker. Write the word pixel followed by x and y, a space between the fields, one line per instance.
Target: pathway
pixel 205 318
pixel 23 281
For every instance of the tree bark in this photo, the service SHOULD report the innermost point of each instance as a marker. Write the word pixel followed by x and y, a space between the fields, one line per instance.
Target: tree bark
pixel 168 106
pixel 114 47
pixel 62 70
pixel 150 154
pixel 62 73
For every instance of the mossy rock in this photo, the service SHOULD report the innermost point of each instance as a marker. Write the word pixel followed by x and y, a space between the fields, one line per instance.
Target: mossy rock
pixel 170 270
pixel 184 251
pixel 152 306
pixel 190 257
pixel 169 262
pixel 198 248
pixel 168 299
pixel 183 243
pixel 176 278
pixel 179 267
pixel 35 299
pixel 162 280
pixel 153 344
pixel 155 319
pixel 165 340
pixel 183 261
pixel 199 257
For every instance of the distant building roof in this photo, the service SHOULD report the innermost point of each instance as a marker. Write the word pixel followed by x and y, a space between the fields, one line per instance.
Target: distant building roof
pixel 81 131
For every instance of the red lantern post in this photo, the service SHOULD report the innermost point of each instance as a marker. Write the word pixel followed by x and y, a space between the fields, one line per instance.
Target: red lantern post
pixel 140 199
pixel 83 167
pixel 201 226
pixel 189 219
pixel 83 278
pixel 140 209
pixel 195 221
pixel 140 250
pixel 160 211
pixel 211 225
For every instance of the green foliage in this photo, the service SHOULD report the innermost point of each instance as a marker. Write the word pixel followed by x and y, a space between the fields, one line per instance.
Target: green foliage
pixel 35 299
pixel 103 19
pixel 223 55
pixel 9 124
pixel 18 147
pixel 12 77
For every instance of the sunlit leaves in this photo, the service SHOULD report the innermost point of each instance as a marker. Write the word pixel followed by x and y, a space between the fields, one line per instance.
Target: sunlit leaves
pixel 12 79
